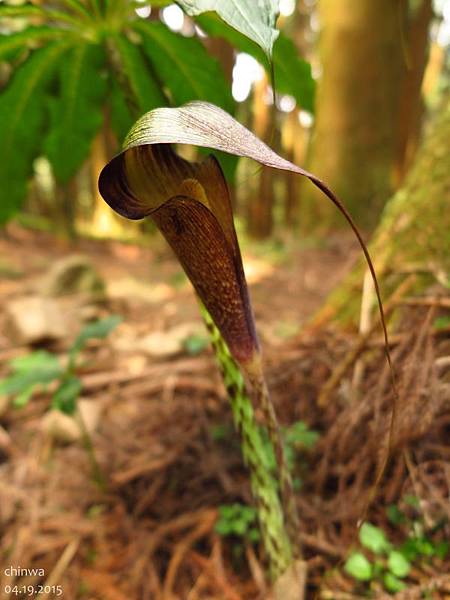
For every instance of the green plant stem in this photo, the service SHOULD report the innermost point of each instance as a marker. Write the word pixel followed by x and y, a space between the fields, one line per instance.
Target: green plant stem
pixel 97 473
pixel 262 399
pixel 264 486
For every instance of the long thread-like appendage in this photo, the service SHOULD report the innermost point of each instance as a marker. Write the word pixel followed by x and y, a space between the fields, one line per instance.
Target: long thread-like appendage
pixel 264 487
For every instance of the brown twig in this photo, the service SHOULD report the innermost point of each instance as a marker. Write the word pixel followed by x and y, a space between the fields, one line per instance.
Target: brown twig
pixel 342 368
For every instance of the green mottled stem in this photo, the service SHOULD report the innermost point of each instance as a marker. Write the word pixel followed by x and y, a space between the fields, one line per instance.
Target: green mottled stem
pixel 262 400
pixel 264 487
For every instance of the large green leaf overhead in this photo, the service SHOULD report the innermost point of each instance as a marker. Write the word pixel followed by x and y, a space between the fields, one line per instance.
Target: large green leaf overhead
pixel 184 65
pixel 145 89
pixel 13 42
pixel 120 113
pixel 188 72
pixel 144 65
pixel 254 18
pixel 22 120
pixel 77 114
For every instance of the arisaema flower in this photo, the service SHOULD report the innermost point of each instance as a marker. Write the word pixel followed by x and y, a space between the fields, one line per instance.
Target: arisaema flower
pixel 190 204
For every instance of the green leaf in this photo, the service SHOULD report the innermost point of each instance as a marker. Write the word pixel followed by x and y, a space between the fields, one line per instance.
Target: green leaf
pixel 28 38
pixel 299 434
pixel 398 564
pixel 21 10
pixel 47 13
pixel 184 66
pixel 373 538
pixel 22 119
pixel 358 567
pixel 442 549
pixel 188 72
pixel 392 583
pixel 395 515
pixel 65 397
pixel 36 368
pixel 145 88
pixel 441 323
pixel 256 20
pixel 223 528
pixel 41 359
pixel 424 546
pixel 96 330
pixel 195 344
pixel 24 396
pixel 254 535
pixel 77 115
pixel 237 519
pixel 292 74
pixel 410 549
pixel 121 117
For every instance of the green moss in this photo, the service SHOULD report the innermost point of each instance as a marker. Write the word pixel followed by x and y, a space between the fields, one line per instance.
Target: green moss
pixel 414 231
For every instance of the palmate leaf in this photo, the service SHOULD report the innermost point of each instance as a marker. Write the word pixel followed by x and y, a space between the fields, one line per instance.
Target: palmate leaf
pixel 137 72
pixel 77 114
pixel 184 66
pixel 188 72
pixel 22 118
pixel 293 74
pixel 79 7
pixel 28 38
pixel 253 18
pixel 121 117
pixel 21 10
pixel 49 14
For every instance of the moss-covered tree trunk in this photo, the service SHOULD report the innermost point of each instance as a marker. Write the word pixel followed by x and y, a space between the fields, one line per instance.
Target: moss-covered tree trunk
pixel 354 144
pixel 414 232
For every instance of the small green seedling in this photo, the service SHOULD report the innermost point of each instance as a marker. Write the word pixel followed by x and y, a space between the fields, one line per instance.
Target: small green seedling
pixel 239 523
pixel 420 544
pixel 238 520
pixel 389 564
pixel 36 371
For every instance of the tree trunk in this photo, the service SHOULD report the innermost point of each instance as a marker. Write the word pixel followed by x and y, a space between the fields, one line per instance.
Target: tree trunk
pixel 260 205
pixel 355 139
pixel 413 235
pixel 411 103
pixel 293 138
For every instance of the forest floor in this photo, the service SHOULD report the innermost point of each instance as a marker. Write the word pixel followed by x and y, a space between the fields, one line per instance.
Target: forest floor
pixel 163 436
